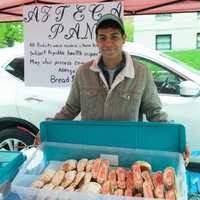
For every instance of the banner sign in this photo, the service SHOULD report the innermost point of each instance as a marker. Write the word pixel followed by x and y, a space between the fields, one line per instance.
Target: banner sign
pixel 59 38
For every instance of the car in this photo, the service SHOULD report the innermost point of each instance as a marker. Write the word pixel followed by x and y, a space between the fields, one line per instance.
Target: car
pixel 23 108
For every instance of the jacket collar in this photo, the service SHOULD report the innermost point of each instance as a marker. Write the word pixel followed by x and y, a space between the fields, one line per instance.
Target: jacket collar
pixel 128 71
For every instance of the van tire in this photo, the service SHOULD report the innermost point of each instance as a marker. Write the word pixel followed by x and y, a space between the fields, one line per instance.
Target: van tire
pixel 11 137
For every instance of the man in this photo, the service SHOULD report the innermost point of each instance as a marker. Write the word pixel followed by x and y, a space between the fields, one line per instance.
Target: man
pixel 113 86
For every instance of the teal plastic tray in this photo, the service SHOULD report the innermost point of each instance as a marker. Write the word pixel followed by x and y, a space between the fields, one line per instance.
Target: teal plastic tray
pixel 49 153
pixel 10 162
pixel 138 135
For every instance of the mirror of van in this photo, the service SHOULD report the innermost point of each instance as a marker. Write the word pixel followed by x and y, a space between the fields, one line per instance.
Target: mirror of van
pixel 189 89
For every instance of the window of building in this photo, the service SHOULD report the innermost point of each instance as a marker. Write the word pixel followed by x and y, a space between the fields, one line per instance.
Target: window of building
pixel 163 16
pixel 198 40
pixel 163 42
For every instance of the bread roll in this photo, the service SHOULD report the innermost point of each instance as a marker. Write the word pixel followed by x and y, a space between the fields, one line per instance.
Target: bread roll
pixel 36 184
pixel 81 165
pixel 91 187
pixel 68 178
pixel 143 165
pixel 89 165
pixel 57 188
pixel 48 186
pixel 41 195
pixel 47 175
pixel 69 165
pixel 58 177
pixel 69 189
pixel 77 179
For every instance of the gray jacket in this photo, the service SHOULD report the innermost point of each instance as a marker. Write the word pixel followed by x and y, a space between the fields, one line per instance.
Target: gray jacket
pixel 132 94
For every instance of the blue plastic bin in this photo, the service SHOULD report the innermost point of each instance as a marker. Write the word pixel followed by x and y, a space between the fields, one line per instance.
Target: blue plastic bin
pixel 122 143
pixel 138 135
pixel 9 165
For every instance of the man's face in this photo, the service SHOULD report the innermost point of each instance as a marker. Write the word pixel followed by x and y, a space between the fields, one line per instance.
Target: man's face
pixel 110 42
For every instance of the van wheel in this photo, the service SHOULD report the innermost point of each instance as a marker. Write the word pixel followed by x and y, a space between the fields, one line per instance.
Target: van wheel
pixel 14 139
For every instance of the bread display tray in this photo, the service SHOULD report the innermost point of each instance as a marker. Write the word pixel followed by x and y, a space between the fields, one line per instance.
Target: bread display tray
pixel 49 152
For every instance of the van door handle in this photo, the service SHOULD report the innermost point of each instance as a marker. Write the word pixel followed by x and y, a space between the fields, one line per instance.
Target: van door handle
pixel 33 98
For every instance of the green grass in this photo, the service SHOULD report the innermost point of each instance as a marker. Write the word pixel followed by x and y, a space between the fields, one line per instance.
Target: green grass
pixel 189 57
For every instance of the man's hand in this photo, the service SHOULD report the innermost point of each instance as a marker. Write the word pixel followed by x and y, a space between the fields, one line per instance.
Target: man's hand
pixel 186 155
pixel 37 140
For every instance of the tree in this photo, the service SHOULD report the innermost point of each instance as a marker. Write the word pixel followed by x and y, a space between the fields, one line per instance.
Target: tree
pixel 11 32
pixel 129 29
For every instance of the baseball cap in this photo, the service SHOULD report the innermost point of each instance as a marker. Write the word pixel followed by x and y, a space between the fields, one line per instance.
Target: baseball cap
pixel 110 17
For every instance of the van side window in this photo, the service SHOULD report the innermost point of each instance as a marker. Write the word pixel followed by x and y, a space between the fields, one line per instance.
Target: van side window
pixel 166 81
pixel 16 68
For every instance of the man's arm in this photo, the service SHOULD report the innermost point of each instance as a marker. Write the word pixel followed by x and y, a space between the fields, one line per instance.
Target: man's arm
pixel 151 104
